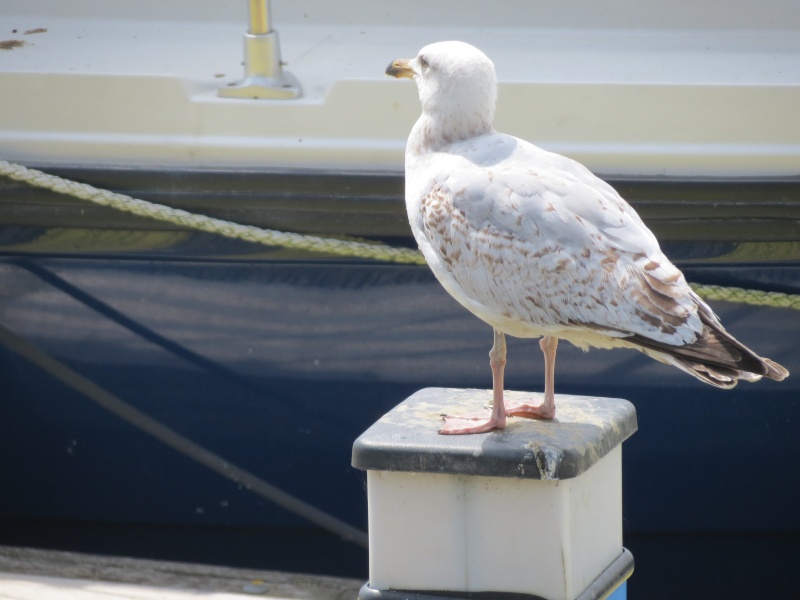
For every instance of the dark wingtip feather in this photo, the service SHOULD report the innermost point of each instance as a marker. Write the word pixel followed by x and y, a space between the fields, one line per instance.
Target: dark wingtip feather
pixel 716 357
pixel 775 371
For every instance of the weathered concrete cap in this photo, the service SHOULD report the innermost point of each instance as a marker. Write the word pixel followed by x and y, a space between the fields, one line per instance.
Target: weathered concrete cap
pixel 406 438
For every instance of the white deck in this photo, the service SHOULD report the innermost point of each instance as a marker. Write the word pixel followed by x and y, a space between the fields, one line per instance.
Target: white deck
pixel 28 574
pixel 29 587
pixel 686 88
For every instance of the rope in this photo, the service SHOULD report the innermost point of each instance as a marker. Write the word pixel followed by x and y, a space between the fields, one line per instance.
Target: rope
pixel 178 442
pixel 311 243
pixel 228 229
pixel 744 296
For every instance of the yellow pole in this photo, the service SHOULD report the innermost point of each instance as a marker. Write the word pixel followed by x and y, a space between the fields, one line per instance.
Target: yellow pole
pixel 259 17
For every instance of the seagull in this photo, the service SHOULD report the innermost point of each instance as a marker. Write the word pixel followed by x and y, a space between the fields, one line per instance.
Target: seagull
pixel 535 245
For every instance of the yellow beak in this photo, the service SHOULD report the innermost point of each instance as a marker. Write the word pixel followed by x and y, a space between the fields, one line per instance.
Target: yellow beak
pixel 399 68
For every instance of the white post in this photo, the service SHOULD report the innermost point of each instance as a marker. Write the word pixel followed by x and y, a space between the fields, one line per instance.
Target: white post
pixel 535 509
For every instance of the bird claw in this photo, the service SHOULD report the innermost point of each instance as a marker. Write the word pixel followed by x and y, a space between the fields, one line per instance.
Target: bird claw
pixel 473 423
pixel 531 411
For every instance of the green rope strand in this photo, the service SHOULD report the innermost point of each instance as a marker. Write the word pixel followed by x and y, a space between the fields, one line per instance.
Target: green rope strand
pixel 199 222
pixel 744 296
pixel 308 242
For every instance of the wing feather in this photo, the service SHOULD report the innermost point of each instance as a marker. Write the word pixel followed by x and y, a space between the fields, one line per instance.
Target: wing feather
pixel 551 248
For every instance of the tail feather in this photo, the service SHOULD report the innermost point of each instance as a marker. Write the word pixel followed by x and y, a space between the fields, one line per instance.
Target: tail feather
pixel 775 371
pixel 715 357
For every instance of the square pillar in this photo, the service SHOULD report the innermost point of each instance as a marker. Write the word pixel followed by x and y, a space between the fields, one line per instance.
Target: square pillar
pixel 533 510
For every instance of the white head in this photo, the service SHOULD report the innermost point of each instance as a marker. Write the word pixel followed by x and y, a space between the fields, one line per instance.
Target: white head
pixel 457 89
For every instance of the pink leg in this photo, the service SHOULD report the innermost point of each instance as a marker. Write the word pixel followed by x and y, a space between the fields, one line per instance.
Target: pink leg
pixel 547 409
pixel 484 420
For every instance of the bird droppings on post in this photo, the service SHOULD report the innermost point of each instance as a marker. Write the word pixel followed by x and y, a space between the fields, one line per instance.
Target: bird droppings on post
pixel 586 429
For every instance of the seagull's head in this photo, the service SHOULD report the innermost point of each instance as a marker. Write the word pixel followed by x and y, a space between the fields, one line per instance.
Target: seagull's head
pixel 457 87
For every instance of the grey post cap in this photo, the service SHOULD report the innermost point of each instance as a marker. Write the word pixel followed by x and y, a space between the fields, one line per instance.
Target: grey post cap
pixel 406 438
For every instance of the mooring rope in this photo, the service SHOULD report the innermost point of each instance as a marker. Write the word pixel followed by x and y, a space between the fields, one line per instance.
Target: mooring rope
pixel 175 440
pixel 746 296
pixel 271 237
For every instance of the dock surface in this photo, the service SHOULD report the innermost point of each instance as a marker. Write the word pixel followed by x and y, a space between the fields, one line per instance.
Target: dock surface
pixel 33 574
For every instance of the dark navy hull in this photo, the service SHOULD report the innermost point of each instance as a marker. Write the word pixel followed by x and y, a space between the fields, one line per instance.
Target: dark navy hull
pixel 277 360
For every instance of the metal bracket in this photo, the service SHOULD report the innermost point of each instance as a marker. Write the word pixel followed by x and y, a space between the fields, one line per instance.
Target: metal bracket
pixel 264 77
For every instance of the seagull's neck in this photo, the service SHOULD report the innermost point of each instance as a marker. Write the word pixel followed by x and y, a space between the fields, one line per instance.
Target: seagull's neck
pixel 434 132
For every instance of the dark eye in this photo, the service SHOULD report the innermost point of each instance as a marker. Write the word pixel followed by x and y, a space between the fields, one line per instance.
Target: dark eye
pixel 423 62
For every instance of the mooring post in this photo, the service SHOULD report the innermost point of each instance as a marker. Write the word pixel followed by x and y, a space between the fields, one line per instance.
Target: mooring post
pixel 532 511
